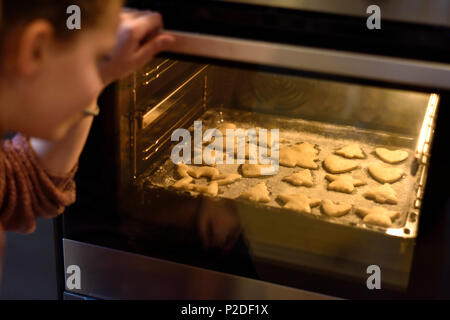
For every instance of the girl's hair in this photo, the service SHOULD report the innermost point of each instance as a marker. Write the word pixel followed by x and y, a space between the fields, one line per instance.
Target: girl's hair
pixel 20 12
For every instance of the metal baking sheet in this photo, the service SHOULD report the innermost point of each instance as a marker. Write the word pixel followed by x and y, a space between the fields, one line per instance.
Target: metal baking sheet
pixel 328 138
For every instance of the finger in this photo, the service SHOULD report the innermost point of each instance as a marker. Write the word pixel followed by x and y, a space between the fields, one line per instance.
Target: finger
pixel 132 31
pixel 126 16
pixel 153 47
pixel 147 25
pixel 129 12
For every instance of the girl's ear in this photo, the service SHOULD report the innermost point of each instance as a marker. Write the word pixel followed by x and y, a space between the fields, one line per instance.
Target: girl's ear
pixel 35 43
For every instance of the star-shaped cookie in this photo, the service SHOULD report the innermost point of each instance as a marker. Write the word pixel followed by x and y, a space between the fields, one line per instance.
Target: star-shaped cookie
pixel 382 194
pixel 378 216
pixel 186 184
pixel 257 193
pixel 301 178
pixel 298 202
pixel 305 147
pixel 212 189
pixel 303 155
pixel 183 183
pixel 343 183
pixel 227 178
pixel 185 171
pixel 351 151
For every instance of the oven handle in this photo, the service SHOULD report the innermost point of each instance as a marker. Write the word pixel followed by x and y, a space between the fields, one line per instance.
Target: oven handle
pixel 419 73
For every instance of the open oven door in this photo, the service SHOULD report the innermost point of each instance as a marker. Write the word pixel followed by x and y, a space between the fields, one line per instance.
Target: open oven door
pixel 132 235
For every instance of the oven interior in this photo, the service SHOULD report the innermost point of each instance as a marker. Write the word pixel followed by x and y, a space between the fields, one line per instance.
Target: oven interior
pixel 171 93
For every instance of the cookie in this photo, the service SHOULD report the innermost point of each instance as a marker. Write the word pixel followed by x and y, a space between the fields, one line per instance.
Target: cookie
pixel 268 142
pixel 335 209
pixel 343 183
pixel 303 155
pixel 298 202
pixel 211 157
pixel 382 194
pixel 258 144
pixel 384 174
pixel 224 126
pixel 184 171
pixel 336 164
pixel 223 130
pixel 228 178
pixel 391 156
pixel 254 170
pixel 378 216
pixel 306 147
pixel 182 183
pixel 378 220
pixel 206 172
pixel 212 189
pixel 301 178
pixel 248 150
pixel 257 193
pixel 351 151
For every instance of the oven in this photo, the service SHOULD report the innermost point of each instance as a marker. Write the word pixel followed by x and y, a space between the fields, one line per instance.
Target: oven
pixel 357 156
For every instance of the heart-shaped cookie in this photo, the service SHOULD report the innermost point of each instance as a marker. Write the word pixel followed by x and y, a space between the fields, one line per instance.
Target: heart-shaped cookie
pixel 335 164
pixel 384 174
pixel 335 209
pixel 255 170
pixel 391 156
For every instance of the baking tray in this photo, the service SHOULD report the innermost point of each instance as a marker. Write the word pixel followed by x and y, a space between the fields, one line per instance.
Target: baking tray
pixel 328 138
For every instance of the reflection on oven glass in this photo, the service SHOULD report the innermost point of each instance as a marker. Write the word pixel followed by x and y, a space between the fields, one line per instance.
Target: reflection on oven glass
pixel 218 225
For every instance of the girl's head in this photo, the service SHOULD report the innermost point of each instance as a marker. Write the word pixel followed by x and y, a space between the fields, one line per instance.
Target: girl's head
pixel 48 73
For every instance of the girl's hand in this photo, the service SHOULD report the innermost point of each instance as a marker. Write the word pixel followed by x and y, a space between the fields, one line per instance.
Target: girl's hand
pixel 139 39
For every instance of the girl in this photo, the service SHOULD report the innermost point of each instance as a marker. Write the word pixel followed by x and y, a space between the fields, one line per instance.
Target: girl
pixel 50 78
